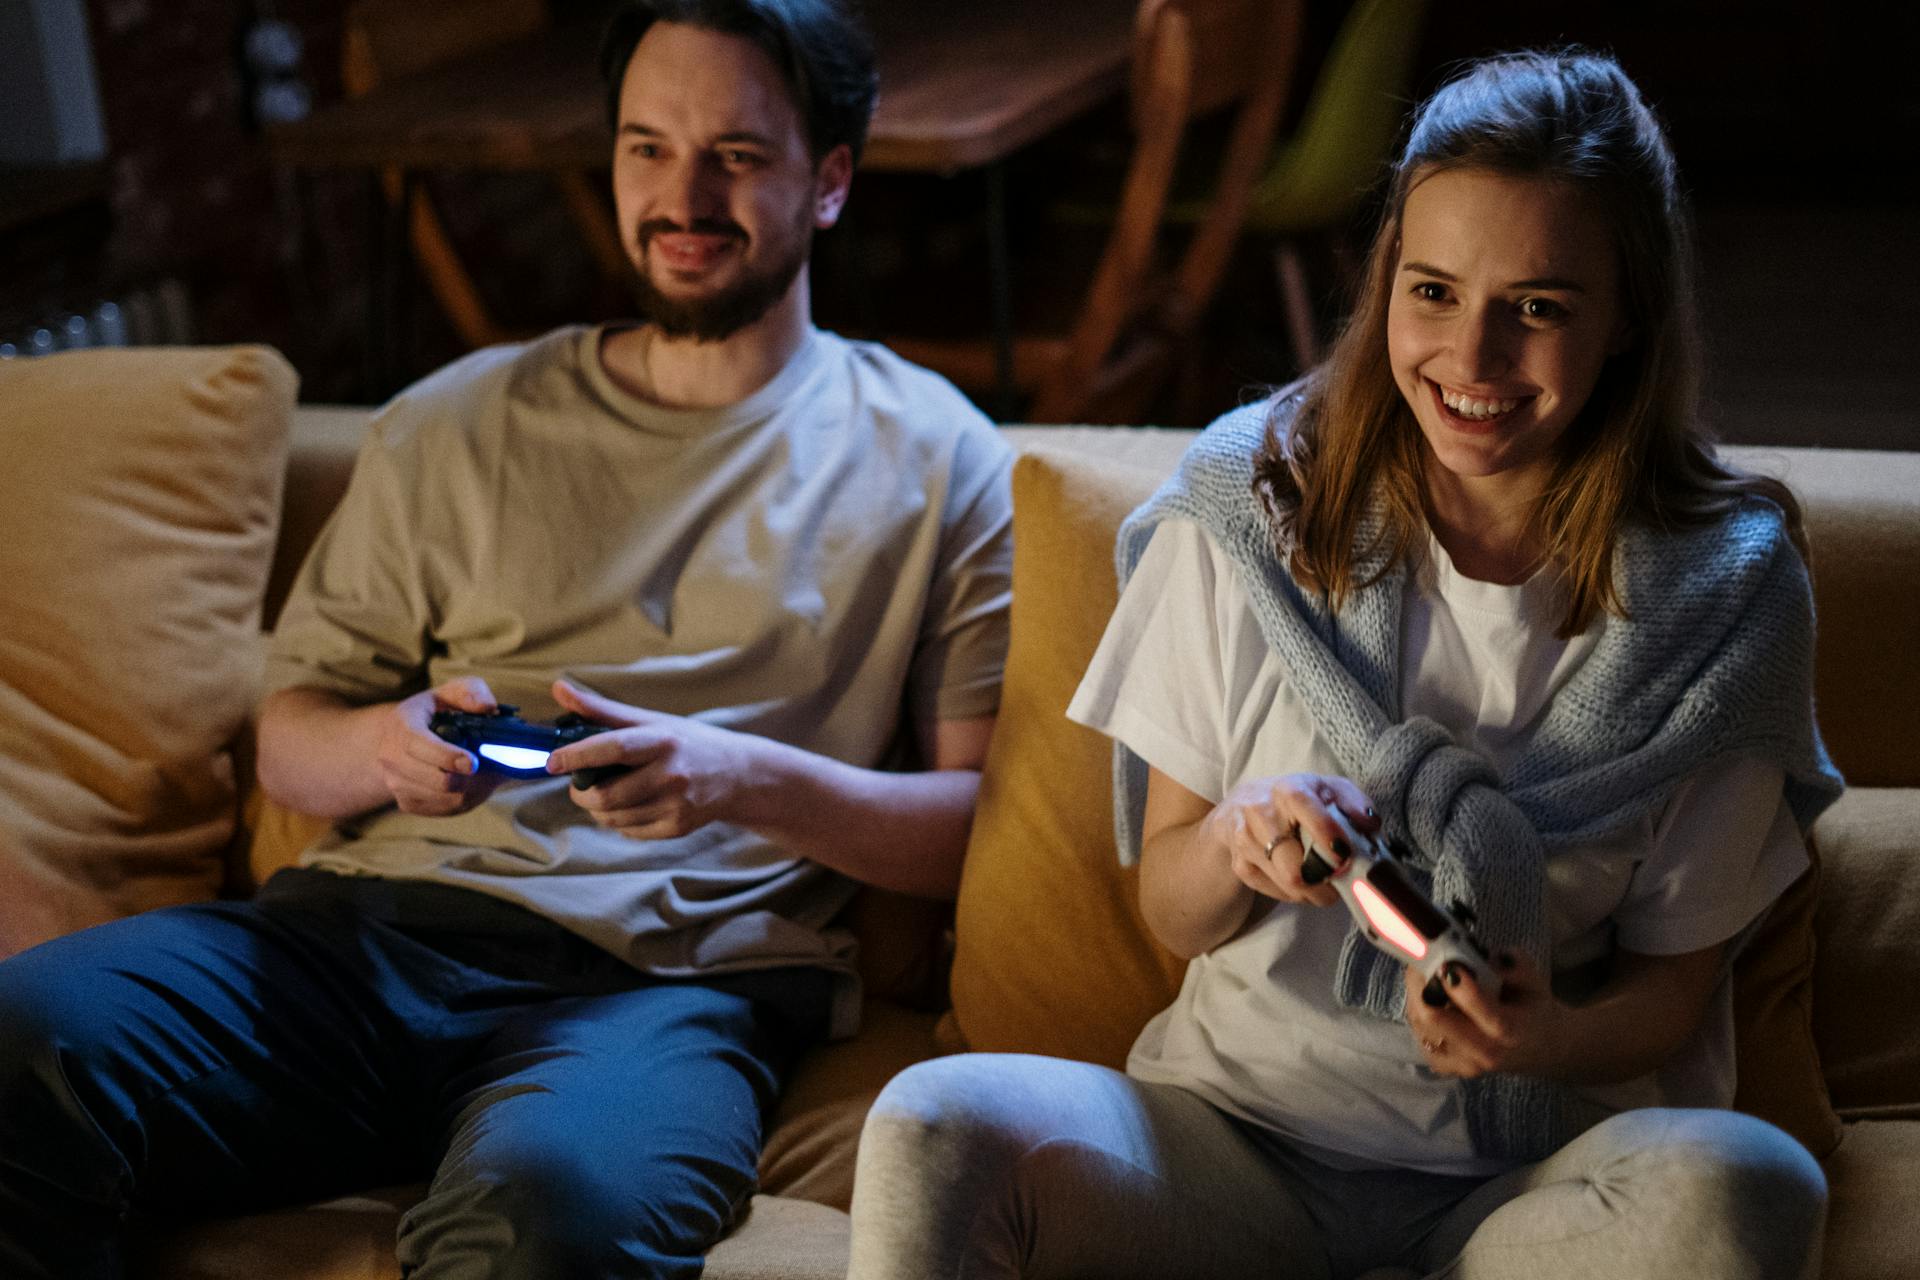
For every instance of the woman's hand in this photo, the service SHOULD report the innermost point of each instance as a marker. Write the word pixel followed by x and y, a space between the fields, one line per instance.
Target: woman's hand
pixel 1261 821
pixel 1522 1030
pixel 1637 1020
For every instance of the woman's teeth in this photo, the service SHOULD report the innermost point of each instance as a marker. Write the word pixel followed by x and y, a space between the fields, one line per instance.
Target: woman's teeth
pixel 1469 407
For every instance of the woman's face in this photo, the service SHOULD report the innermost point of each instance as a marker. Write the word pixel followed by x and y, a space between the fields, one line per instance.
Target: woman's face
pixel 1505 306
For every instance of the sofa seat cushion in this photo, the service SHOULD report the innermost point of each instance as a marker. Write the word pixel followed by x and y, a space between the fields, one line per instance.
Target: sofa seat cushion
pixel 352 1239
pixel 1873 1183
pixel 143 496
pixel 815 1130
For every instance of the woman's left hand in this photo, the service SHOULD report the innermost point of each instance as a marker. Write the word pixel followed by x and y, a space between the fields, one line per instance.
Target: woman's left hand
pixel 1519 1031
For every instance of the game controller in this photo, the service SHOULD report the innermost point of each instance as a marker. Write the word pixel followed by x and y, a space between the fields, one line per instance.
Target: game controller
pixel 1395 916
pixel 521 747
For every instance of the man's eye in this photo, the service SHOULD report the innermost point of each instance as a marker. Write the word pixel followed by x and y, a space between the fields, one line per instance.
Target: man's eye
pixel 735 156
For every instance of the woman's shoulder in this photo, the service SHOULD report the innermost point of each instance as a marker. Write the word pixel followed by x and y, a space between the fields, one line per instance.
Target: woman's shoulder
pixel 1732 557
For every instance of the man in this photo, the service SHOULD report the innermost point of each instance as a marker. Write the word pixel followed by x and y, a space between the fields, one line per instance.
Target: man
pixel 764 558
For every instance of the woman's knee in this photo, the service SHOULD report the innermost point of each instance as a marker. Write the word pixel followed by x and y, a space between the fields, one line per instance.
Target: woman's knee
pixel 951 1113
pixel 1752 1198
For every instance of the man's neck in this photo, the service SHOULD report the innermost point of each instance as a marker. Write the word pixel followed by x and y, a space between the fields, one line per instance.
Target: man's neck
pixel 680 373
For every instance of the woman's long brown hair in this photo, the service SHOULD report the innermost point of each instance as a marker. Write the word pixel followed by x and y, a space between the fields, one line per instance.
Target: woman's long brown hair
pixel 1636 452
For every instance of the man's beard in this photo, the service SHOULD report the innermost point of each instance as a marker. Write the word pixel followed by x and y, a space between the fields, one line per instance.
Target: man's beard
pixel 716 316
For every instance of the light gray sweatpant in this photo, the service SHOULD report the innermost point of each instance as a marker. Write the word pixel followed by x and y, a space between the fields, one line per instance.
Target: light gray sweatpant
pixel 982 1166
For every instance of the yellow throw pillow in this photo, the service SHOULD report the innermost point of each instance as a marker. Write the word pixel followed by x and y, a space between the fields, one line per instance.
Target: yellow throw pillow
pixel 137 520
pixel 1777 1063
pixel 1052 956
pixel 1866 980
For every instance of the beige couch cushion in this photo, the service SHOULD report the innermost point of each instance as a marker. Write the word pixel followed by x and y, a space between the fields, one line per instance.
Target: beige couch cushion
pixel 1863 520
pixel 352 1239
pixel 142 501
pixel 1053 957
pixel 1866 1008
pixel 1873 1182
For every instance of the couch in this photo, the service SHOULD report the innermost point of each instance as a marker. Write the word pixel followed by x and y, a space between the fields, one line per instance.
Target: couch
pixel 159 501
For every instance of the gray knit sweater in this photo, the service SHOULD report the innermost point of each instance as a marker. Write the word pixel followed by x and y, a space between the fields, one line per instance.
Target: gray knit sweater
pixel 1716 660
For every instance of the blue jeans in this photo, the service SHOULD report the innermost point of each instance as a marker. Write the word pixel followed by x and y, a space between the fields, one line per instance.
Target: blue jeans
pixel 576 1117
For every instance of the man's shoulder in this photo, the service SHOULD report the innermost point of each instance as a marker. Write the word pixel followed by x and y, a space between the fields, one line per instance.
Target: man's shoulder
pixel 920 397
pixel 463 393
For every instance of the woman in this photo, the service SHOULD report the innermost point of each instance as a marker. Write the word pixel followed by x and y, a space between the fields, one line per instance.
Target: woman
pixel 1479 584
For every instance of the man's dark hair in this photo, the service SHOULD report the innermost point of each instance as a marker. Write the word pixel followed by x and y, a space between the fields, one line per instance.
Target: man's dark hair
pixel 821 48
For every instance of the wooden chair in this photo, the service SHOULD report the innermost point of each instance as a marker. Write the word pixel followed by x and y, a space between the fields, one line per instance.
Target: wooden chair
pixel 393 39
pixel 1322 170
pixel 1191 58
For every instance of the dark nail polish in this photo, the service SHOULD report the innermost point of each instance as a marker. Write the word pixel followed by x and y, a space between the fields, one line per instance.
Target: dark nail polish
pixel 1340 847
pixel 1371 813
pixel 1453 976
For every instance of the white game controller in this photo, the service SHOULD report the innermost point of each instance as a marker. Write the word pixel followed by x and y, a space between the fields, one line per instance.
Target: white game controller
pixel 1395 916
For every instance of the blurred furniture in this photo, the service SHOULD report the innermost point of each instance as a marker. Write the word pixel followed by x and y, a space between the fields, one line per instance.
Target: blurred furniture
pixel 1191 59
pixel 489 87
pixel 392 40
pixel 197 485
pixel 1325 167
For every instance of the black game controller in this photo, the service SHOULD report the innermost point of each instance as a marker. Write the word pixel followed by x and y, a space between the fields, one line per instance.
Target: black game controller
pixel 1396 917
pixel 521 747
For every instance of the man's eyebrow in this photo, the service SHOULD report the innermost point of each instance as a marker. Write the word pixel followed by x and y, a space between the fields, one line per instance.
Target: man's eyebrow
pixel 631 128
pixel 1558 284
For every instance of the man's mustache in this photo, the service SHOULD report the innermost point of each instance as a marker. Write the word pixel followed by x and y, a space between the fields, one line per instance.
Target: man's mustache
pixel 699 226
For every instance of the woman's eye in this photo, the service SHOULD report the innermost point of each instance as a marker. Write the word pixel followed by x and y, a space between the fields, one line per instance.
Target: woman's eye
pixel 1430 291
pixel 1542 309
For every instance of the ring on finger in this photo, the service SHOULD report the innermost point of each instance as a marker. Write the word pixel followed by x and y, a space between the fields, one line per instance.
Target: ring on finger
pixel 1279 836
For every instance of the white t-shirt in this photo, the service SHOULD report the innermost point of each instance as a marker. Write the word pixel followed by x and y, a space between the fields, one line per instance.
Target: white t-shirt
pixel 1184 678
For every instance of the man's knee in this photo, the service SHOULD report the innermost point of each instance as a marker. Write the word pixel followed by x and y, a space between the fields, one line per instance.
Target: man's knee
pixel 548 1213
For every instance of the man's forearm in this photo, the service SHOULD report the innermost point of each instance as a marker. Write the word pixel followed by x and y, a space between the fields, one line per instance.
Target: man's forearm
pixel 901 831
pixel 318 753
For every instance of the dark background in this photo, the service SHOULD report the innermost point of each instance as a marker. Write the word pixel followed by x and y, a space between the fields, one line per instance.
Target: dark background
pixel 1794 123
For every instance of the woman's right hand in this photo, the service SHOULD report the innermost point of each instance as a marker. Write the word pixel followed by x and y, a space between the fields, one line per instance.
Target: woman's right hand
pixel 1261 821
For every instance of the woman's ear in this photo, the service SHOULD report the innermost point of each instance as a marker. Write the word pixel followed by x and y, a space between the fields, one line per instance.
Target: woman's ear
pixel 1622 339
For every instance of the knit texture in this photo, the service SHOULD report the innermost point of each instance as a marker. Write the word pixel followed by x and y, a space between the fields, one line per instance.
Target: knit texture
pixel 1715 661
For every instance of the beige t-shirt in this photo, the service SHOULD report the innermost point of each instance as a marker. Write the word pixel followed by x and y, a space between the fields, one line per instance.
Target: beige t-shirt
pixel 824 563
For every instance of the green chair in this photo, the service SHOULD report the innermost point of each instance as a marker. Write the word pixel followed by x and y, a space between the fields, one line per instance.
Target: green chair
pixel 1322 170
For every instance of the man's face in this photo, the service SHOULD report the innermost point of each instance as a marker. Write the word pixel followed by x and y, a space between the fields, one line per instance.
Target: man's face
pixel 715 186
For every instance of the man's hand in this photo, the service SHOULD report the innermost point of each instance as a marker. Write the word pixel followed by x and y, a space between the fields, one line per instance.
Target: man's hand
pixel 424 773
pixel 682 774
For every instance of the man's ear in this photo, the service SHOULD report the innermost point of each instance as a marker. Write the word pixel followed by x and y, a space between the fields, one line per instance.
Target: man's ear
pixel 831 183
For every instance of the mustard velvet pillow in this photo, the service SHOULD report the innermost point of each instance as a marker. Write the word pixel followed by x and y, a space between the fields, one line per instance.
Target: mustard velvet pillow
pixel 1051 954
pixel 137 519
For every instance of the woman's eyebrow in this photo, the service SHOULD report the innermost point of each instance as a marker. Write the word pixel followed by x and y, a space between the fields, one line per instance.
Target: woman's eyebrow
pixel 1558 284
